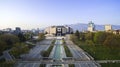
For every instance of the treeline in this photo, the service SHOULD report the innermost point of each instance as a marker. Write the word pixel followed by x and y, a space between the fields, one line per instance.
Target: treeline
pixel 18 49
pixel 8 41
pixel 100 38
pixel 100 45
pixel 41 36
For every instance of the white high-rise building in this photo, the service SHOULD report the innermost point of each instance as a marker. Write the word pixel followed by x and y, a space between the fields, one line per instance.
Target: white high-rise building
pixel 91 26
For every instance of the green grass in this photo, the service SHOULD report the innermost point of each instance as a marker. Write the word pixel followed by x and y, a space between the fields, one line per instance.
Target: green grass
pixel 110 65
pixel 47 52
pixel 100 52
pixel 67 51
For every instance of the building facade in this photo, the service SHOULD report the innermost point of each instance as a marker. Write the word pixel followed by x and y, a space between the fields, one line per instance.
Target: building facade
pixel 108 27
pixel 58 30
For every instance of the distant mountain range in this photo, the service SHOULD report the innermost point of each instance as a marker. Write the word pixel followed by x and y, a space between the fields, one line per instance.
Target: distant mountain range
pixel 83 27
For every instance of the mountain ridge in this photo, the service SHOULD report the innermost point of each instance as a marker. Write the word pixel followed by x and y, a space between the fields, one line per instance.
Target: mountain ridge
pixel 83 27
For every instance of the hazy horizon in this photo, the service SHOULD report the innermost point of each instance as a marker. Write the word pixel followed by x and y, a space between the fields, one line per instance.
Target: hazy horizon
pixel 29 14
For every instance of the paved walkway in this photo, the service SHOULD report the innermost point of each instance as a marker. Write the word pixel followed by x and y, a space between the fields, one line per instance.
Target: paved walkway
pixel 57 53
pixel 35 53
pixel 7 56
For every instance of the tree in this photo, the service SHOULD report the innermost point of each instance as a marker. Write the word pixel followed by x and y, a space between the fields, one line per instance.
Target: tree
pixel 41 36
pixel 21 37
pixel 2 46
pixel 100 37
pixel 77 34
pixel 89 36
pixel 28 35
pixel 9 39
pixel 18 49
pixel 82 36
pixel 112 41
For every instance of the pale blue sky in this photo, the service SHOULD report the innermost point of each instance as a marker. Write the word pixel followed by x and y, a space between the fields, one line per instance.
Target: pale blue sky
pixel 29 14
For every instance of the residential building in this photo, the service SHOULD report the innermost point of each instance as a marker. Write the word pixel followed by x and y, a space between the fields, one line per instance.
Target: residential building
pixel 116 31
pixel 108 27
pixel 69 30
pixel 7 29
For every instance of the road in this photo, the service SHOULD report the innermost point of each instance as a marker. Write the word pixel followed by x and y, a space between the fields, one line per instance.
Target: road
pixel 35 53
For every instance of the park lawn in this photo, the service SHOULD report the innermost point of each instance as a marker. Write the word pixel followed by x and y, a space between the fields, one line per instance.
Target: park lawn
pixel 100 52
pixel 67 51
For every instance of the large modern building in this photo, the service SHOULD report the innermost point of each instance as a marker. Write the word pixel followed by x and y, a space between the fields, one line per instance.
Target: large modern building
pixel 91 26
pixel 58 30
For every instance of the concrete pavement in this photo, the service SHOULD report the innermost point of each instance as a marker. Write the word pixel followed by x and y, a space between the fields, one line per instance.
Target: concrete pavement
pixel 35 53
pixel 7 56
pixel 81 58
